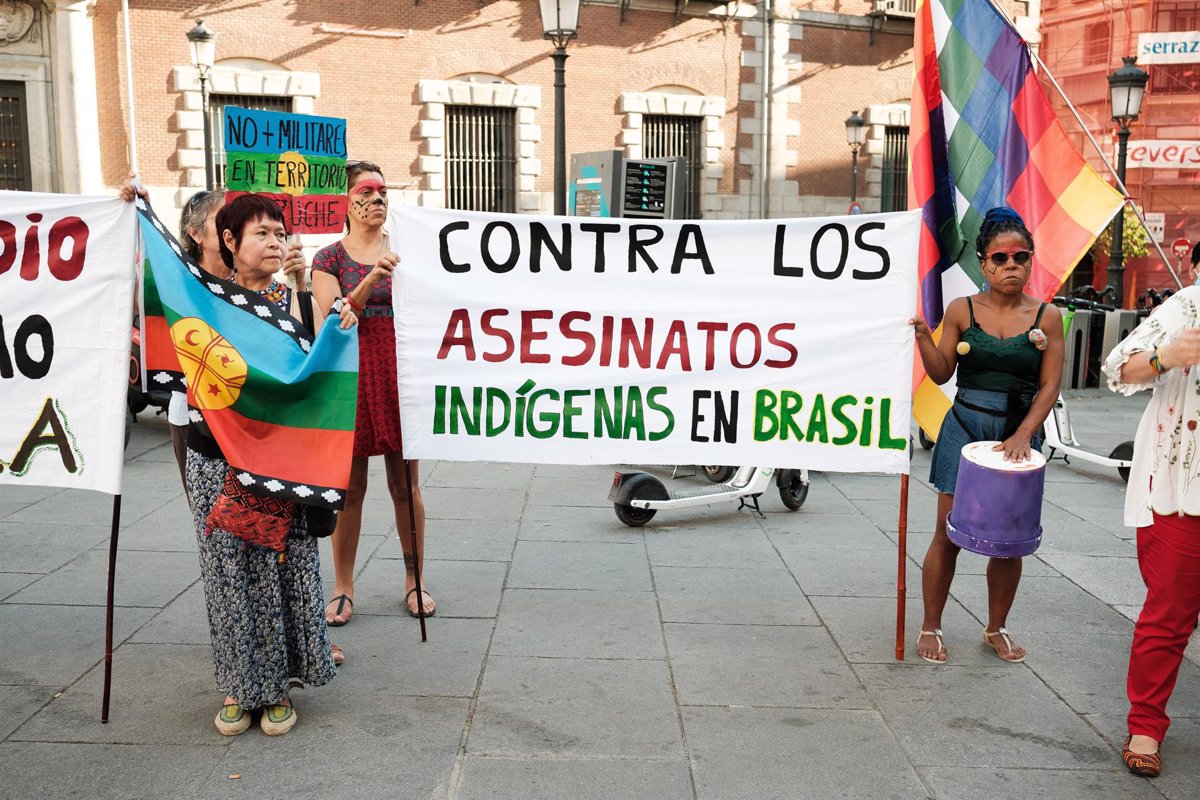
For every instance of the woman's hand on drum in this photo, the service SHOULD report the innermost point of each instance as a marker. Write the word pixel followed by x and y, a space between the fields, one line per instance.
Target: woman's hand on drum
pixel 1183 351
pixel 1017 447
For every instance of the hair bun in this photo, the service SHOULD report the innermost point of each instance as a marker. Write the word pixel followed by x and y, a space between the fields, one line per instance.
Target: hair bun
pixel 1002 214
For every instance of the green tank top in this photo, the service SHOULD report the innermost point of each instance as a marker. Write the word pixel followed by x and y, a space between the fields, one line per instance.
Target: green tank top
pixel 999 365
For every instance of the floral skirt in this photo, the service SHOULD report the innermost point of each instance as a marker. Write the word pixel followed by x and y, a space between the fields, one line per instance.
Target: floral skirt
pixel 267 618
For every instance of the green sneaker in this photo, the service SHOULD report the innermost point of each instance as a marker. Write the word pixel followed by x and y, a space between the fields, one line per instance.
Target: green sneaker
pixel 232 719
pixel 277 720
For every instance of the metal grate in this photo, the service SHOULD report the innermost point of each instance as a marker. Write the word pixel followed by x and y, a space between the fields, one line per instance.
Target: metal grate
pixel 14 137
pixel 667 136
pixel 216 117
pixel 893 190
pixel 481 158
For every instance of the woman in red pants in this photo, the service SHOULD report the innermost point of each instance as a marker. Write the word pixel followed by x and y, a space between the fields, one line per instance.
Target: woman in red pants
pixel 1163 503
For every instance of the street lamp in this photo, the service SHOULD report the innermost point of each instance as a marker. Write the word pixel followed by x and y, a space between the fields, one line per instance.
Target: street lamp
pixel 560 21
pixel 856 133
pixel 202 42
pixel 1126 87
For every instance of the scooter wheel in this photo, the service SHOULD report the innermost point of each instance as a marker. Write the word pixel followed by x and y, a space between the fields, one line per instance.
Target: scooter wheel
pixel 1123 452
pixel 718 474
pixel 926 442
pixel 634 517
pixel 794 493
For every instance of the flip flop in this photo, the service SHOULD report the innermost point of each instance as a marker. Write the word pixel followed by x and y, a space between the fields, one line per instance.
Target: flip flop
pixel 1003 634
pixel 937 634
pixel 412 613
pixel 338 655
pixel 341 599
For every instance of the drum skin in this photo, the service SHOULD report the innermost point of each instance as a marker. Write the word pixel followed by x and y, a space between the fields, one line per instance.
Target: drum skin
pixel 997 504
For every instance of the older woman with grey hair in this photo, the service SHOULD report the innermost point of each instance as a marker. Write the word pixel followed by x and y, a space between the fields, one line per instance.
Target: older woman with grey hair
pixel 198 235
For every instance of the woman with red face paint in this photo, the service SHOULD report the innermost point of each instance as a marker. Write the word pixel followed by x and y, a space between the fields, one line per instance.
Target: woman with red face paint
pixel 359 269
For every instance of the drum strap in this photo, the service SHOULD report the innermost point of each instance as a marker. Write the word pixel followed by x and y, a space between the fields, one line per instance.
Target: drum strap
pixel 1015 410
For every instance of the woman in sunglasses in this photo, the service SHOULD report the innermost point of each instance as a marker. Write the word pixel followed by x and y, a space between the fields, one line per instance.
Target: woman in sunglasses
pixel 1162 501
pixel 1005 349
pixel 359 268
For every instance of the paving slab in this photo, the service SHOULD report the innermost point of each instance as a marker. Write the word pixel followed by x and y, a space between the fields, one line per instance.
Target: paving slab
pixel 383 661
pixel 1018 721
pixel 829 531
pixel 469 539
pixel 43 548
pixel 63 642
pixel 796 754
pixel 761 665
pixel 144 579
pixel 602 566
pixel 103 771
pixel 169 528
pixel 581 708
pixel 982 783
pixel 19 703
pixel 68 508
pixel 731 595
pixel 13 582
pixel 161 694
pixel 460 588
pixel 476 475
pixel 864 628
pixel 1114 581
pixel 489 777
pixel 741 543
pixel 847 573
pixel 499 504
pixel 182 621
pixel 566 623
pixel 1048 605
pixel 347 744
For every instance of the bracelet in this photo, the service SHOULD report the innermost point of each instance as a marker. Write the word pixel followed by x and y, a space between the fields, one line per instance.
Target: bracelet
pixel 1156 363
pixel 353 305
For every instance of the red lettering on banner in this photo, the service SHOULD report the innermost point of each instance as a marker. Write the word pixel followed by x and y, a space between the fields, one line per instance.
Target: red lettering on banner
pixel 8 240
pixel 488 329
pixel 460 320
pixel 529 336
pixel 64 267
pixel 583 337
pixel 75 229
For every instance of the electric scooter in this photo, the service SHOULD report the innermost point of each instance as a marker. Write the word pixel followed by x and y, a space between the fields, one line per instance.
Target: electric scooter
pixel 1060 437
pixel 638 496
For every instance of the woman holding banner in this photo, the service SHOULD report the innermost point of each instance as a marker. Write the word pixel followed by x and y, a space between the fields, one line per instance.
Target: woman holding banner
pixel 1163 502
pixel 265 605
pixel 1006 350
pixel 358 268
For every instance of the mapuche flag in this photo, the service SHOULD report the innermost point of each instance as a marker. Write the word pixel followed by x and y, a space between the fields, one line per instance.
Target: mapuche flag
pixel 982 135
pixel 280 404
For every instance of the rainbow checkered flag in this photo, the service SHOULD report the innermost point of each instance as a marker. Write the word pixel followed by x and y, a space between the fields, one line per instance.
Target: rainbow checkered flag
pixel 983 135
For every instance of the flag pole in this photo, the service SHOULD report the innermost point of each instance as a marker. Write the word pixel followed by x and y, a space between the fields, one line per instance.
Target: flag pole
pixel 416 554
pixel 1120 183
pixel 133 158
pixel 108 609
pixel 902 567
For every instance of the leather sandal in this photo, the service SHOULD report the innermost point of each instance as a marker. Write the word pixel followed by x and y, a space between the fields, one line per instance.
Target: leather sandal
pixel 1148 765
pixel 429 612
pixel 341 600
pixel 1002 632
pixel 937 634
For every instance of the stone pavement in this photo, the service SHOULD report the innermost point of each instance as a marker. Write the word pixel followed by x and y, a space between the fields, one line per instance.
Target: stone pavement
pixel 711 654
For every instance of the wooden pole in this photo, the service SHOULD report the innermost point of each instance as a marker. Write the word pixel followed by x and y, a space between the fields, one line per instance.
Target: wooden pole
pixel 902 568
pixel 416 554
pixel 108 611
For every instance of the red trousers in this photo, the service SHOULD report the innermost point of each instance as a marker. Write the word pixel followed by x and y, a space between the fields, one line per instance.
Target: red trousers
pixel 1169 559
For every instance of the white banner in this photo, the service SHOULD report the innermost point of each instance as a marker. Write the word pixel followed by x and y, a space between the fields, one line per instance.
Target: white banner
pixel 776 343
pixel 66 301
pixel 1163 154
pixel 1173 47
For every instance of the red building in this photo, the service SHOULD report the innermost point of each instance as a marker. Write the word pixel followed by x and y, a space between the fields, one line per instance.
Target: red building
pixel 1083 41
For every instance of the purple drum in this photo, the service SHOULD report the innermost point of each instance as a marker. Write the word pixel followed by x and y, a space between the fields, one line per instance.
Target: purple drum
pixel 997 503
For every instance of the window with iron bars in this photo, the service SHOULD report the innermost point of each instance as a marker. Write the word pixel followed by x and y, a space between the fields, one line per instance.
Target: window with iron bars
pixel 1176 78
pixel 216 118
pixel 669 136
pixel 14 137
pixel 481 158
pixel 1097 43
pixel 893 189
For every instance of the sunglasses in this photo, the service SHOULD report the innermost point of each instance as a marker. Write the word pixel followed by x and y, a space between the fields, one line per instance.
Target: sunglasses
pixel 1020 257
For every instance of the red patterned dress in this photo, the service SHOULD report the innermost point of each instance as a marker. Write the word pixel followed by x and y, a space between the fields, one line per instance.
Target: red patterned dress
pixel 377 423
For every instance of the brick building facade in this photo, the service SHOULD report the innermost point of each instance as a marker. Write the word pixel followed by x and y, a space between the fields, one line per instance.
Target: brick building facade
pixel 759 92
